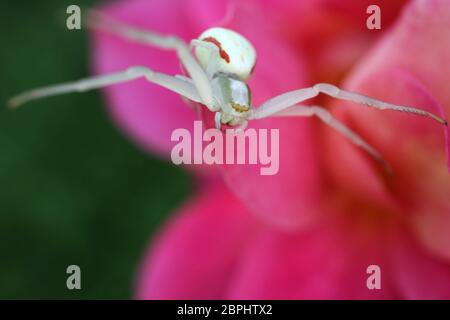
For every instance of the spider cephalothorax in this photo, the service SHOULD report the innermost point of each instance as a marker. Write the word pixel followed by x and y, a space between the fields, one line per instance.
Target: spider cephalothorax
pixel 233 96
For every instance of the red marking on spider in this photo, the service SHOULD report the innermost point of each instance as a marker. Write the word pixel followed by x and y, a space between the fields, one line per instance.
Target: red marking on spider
pixel 223 54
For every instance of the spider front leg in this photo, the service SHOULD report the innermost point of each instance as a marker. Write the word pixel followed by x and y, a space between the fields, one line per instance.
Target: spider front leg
pixel 291 98
pixel 324 115
pixel 218 120
pixel 100 21
pixel 175 84
pixel 212 65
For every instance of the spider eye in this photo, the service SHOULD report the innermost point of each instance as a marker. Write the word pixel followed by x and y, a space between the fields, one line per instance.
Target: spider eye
pixel 236 54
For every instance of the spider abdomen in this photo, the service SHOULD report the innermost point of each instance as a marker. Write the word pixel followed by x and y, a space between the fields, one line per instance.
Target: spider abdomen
pixel 236 54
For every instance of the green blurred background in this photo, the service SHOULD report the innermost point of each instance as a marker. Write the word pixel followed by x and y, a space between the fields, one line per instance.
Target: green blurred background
pixel 73 190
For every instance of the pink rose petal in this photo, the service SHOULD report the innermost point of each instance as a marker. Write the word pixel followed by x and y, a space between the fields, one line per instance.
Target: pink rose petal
pixel 404 140
pixel 418 275
pixel 195 255
pixel 329 261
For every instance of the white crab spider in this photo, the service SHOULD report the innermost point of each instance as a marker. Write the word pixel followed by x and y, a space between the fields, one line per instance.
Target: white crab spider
pixel 225 60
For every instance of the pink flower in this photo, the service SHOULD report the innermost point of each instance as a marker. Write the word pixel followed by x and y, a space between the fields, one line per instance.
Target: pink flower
pixel 312 230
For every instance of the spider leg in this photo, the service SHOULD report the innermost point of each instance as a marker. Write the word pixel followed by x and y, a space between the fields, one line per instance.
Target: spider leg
pixel 324 115
pixel 184 78
pixel 291 98
pixel 175 84
pixel 212 65
pixel 218 120
pixel 99 21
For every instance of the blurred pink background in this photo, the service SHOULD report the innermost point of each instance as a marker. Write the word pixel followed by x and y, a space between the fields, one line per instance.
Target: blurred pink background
pixel 311 231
